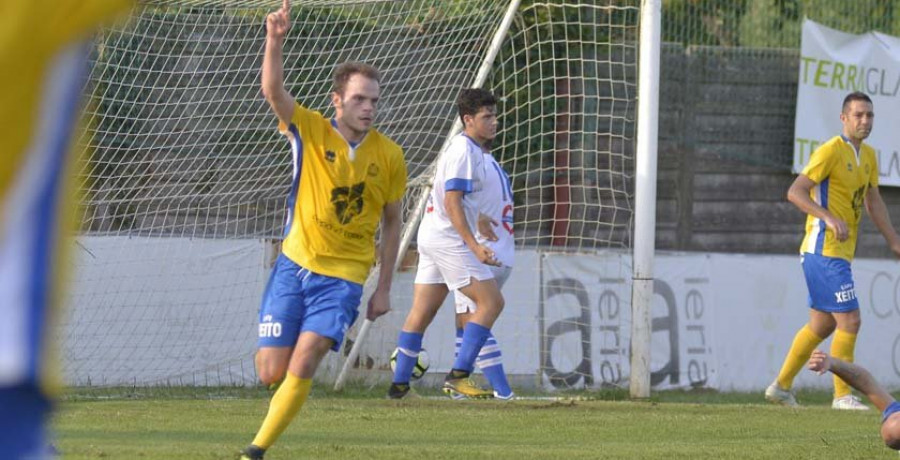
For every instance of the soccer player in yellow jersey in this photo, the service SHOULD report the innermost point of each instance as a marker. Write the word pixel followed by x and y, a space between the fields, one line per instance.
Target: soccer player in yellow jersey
pixel 43 56
pixel 347 178
pixel 841 177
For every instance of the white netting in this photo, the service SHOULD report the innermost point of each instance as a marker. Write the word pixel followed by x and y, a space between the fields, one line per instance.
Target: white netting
pixel 568 79
pixel 566 75
pixel 186 185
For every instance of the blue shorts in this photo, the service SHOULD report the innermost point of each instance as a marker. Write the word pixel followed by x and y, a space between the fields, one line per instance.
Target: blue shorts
pixel 26 411
pixel 891 409
pixel 297 300
pixel 830 283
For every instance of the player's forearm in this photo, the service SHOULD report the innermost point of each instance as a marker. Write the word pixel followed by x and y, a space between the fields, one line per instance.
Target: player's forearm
pixel 800 198
pixel 273 80
pixel 273 67
pixel 862 380
pixel 390 246
pixel 454 207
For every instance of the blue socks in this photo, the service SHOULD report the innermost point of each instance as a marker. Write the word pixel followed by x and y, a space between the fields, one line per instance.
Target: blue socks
pixel 474 337
pixel 409 344
pixel 490 361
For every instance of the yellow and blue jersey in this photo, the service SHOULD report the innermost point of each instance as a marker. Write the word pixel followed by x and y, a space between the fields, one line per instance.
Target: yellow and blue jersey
pixel 842 178
pixel 337 195
pixel 43 54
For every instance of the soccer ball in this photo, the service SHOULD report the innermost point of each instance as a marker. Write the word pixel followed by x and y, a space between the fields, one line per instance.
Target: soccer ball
pixel 419 369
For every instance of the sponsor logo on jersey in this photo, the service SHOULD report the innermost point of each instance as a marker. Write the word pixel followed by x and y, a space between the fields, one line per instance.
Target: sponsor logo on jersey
pixel 507 218
pixel 348 201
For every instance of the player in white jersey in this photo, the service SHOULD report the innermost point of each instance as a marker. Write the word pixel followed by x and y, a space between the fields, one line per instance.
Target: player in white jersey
pixel 495 230
pixel 450 255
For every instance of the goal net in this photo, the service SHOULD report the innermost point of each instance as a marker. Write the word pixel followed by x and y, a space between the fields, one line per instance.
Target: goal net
pixel 186 181
pixel 566 76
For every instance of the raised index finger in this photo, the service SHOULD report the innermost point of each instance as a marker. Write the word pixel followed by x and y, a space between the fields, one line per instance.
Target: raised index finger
pixel 286 5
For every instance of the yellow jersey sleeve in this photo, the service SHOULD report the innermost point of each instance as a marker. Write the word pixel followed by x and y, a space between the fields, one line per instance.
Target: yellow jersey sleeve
pixel 820 164
pixel 307 122
pixel 32 33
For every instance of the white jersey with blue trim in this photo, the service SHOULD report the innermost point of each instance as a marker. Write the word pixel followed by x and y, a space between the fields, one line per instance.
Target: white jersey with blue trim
pixel 461 167
pixel 497 202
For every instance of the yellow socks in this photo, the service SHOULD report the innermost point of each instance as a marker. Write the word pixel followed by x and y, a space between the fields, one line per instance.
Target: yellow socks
pixel 842 346
pixel 285 404
pixel 804 343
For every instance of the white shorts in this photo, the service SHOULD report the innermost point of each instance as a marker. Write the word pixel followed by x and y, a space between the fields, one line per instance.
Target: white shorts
pixel 454 266
pixel 467 305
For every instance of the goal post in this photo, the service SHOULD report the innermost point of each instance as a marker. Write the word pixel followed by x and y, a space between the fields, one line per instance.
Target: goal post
pixel 186 184
pixel 412 223
pixel 645 197
pixel 566 78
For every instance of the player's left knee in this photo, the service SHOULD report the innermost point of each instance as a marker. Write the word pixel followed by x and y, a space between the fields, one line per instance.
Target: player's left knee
pixel 269 375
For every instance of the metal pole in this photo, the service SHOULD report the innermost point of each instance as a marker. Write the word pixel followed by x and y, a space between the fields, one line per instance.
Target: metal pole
pixel 413 224
pixel 645 197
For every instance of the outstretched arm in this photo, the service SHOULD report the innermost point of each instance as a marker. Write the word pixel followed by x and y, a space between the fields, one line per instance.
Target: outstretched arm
pixel 879 214
pixel 277 25
pixel 857 376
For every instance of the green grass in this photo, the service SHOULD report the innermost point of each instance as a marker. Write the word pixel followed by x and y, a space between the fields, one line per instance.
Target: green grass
pixel 216 423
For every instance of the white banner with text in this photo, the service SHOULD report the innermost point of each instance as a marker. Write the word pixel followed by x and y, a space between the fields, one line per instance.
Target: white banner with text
pixel 720 321
pixel 834 64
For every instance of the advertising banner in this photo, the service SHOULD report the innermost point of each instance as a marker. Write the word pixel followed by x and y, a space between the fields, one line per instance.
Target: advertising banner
pixel 834 64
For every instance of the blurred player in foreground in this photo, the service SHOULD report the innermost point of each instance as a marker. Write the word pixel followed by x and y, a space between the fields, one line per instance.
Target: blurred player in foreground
pixel 859 378
pixel 44 47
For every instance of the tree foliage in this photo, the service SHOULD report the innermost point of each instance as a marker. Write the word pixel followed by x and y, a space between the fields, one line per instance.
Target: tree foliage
pixel 771 23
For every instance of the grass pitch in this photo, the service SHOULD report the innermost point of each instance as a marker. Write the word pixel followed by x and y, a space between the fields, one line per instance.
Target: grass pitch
pixel 215 424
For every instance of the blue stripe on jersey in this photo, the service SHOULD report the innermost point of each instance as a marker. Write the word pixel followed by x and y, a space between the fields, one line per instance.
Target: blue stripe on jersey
pixel 352 144
pixel 823 195
pixel 891 409
pixel 462 185
pixel 295 182
pixel 49 203
pixel 504 181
